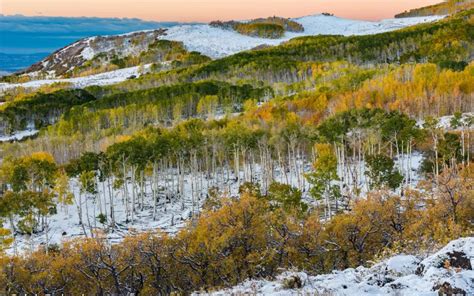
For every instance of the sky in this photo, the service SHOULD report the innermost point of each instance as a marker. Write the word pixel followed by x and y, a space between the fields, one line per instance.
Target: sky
pixel 44 34
pixel 208 10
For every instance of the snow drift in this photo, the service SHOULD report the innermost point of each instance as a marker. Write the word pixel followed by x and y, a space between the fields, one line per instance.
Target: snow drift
pixel 448 271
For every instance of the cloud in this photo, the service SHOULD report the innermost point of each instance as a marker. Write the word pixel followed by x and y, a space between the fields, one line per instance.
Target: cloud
pixel 45 24
pixel 26 34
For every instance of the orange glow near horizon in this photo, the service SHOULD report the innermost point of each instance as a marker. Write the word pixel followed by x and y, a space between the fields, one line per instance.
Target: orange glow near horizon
pixel 207 10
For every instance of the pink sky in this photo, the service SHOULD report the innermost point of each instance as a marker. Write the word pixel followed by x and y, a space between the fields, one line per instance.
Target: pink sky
pixel 207 10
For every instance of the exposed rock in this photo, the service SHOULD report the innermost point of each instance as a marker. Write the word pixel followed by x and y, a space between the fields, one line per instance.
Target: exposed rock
pixel 393 276
pixel 457 260
pixel 293 282
pixel 75 55
pixel 446 289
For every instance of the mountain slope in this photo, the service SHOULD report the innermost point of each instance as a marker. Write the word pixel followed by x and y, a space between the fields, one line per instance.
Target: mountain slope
pixel 101 54
pixel 444 8
pixel 217 42
pixel 76 54
pixel 447 272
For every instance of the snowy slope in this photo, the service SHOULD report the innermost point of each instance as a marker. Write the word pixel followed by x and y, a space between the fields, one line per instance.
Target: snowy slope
pixel 210 41
pixel 172 213
pixel 105 78
pixel 18 136
pixel 78 53
pixel 399 275
pixel 216 42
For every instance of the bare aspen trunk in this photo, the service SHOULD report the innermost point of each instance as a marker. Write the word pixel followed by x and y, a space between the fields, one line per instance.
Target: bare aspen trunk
pixel 111 200
pixel 79 211
pixel 104 195
pixel 154 189
pixel 89 220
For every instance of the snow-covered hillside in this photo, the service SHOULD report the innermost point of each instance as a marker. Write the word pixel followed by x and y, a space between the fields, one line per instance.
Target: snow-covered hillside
pixel 78 53
pixel 448 272
pixel 172 210
pixel 18 136
pixel 216 42
pixel 106 78
pixel 210 41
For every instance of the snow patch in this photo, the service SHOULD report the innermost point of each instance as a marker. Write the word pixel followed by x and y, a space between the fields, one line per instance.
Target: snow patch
pixel 402 264
pixel 88 53
pixel 444 122
pixel 18 136
pixel 398 275
pixel 217 42
pixel 106 78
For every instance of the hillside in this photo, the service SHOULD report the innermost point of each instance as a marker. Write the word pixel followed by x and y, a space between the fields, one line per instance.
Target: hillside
pixel 102 54
pixel 448 271
pixel 208 161
pixel 99 48
pixel 271 27
pixel 443 8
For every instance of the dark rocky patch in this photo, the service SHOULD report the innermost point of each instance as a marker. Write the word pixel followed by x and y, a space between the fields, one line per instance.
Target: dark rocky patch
pixel 457 260
pixel 446 289
pixel 293 282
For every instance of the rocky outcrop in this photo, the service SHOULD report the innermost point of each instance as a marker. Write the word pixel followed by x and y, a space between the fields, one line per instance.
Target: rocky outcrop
pixel 77 54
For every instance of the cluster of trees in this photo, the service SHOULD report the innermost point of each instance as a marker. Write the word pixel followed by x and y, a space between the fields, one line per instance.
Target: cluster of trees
pixel 32 187
pixel 288 24
pixel 81 113
pixel 263 30
pixel 336 162
pixel 270 27
pixel 418 90
pixel 21 93
pixel 253 236
pixel 39 110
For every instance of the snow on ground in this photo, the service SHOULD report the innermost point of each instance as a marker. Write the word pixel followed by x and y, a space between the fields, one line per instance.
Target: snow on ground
pixel 398 275
pixel 217 43
pixel 18 136
pixel 64 225
pixel 172 213
pixel 444 122
pixel 106 78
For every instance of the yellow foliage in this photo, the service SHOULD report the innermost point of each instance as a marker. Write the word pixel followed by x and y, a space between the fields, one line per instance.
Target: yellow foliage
pixel 42 156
